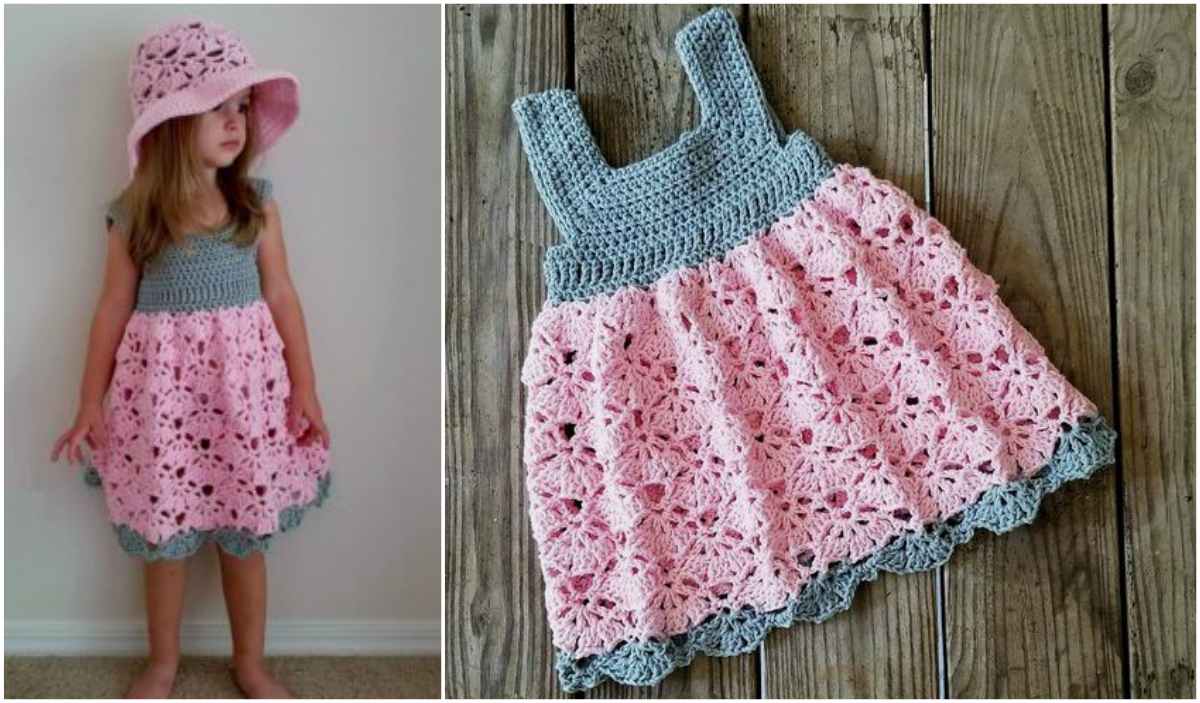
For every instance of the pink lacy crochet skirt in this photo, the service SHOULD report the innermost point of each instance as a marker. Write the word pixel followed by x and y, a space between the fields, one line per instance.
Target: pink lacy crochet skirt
pixel 701 450
pixel 198 447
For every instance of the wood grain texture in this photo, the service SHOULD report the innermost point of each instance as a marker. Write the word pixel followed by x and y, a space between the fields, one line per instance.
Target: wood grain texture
pixel 1019 178
pixel 852 78
pixel 1153 78
pixel 637 100
pixel 497 638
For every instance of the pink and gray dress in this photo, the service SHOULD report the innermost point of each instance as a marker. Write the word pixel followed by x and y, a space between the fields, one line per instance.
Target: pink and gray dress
pixel 198 447
pixel 759 379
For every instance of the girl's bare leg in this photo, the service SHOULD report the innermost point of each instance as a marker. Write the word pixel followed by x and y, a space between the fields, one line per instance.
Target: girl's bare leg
pixel 165 580
pixel 244 580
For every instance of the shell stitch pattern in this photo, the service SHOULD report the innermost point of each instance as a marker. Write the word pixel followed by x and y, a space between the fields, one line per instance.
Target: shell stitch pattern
pixel 240 543
pixel 196 414
pixel 1084 448
pixel 180 57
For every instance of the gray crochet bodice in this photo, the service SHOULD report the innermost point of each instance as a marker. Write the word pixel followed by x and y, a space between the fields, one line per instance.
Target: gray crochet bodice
pixel 207 272
pixel 695 200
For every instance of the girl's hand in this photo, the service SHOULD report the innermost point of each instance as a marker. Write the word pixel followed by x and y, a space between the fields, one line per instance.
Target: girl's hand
pixel 89 427
pixel 304 406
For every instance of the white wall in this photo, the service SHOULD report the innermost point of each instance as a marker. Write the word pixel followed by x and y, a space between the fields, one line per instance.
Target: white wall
pixel 357 181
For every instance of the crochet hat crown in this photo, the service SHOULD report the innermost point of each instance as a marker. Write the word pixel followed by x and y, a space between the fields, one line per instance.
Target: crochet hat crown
pixel 191 66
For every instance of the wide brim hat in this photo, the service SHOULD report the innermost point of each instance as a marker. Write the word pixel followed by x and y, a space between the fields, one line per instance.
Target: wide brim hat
pixel 190 66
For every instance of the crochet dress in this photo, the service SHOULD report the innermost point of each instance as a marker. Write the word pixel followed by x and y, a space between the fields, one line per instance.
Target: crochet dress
pixel 759 379
pixel 198 447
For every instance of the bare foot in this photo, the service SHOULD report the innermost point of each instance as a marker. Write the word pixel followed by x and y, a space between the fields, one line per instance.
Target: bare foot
pixel 155 681
pixel 256 682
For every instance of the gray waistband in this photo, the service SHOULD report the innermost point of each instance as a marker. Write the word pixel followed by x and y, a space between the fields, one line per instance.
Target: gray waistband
pixel 209 272
pixel 154 298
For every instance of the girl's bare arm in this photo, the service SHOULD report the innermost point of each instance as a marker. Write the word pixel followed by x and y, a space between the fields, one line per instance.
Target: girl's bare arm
pixel 113 309
pixel 280 295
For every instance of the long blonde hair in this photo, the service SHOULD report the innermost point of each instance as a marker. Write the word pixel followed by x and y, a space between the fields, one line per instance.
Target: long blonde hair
pixel 158 199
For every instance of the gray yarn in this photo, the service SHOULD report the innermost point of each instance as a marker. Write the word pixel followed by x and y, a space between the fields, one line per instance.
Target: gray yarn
pixel 1079 451
pixel 210 272
pixel 238 542
pixel 91 476
pixel 714 188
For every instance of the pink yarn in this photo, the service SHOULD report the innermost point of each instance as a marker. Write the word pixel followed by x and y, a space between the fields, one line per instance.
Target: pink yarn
pixel 196 419
pixel 717 440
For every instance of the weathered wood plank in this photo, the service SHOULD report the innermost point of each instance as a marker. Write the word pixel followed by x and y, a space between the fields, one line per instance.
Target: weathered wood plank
pixel 1019 178
pixel 497 640
pixel 637 100
pixel 1153 52
pixel 851 77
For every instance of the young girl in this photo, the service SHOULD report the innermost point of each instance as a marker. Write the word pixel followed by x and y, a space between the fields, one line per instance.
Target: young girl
pixel 212 431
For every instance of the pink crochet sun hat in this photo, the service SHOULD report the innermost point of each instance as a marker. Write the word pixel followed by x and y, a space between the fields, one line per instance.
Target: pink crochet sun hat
pixel 190 66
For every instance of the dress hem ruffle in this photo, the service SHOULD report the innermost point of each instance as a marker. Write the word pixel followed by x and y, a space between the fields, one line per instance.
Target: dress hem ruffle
pixel 238 542
pixel 1080 451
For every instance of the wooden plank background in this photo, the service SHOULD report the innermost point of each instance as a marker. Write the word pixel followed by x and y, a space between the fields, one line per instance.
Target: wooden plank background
pixel 1019 177
pixel 1056 143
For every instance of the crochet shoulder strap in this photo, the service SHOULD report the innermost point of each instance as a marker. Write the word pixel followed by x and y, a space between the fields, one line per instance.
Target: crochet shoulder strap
pixel 114 215
pixel 263 188
pixel 719 68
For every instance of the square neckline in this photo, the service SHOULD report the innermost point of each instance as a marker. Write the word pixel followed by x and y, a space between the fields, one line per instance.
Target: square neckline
pixel 667 153
pixel 710 188
pixel 736 130
pixel 261 185
pixel 716 23
pixel 224 227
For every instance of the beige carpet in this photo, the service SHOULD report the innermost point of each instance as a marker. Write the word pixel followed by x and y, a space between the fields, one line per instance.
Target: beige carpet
pixel 208 677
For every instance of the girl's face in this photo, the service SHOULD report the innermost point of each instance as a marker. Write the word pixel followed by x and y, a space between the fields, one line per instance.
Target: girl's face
pixel 221 132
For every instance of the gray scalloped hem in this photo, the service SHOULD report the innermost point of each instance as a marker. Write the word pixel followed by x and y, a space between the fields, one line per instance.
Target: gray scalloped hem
pixel 238 542
pixel 1079 452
